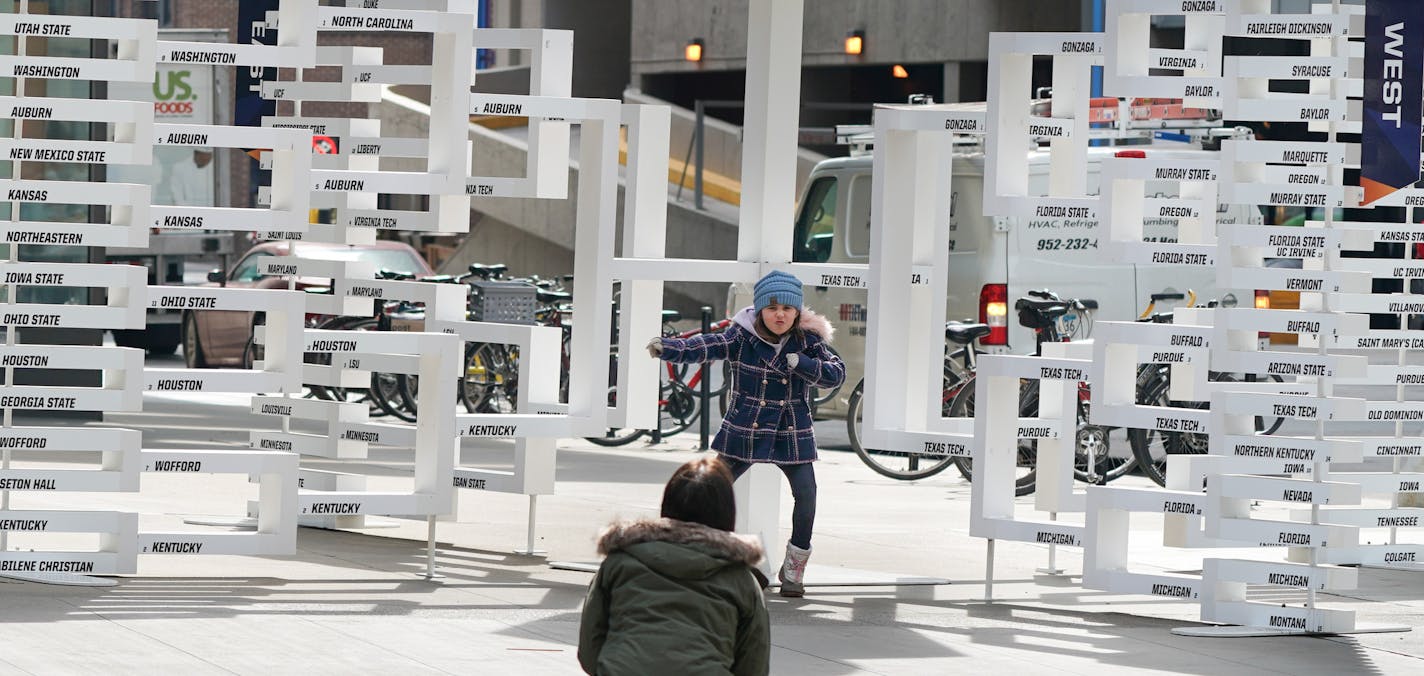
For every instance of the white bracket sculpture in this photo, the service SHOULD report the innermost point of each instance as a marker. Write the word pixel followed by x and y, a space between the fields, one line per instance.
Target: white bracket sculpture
pixel 910 223
pixel 434 356
pixel 289 159
pixel 276 507
pixel 1016 131
pixel 998 429
pixel 1130 58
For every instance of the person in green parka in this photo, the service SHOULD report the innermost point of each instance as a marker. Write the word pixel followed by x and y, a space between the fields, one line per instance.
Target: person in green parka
pixel 679 594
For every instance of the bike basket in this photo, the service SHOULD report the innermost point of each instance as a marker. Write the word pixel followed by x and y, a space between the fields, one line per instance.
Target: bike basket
pixel 504 302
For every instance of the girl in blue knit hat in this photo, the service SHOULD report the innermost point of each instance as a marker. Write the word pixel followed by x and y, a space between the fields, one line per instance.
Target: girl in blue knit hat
pixel 777 351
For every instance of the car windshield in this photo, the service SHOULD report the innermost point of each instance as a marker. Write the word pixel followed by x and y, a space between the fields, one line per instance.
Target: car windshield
pixel 394 260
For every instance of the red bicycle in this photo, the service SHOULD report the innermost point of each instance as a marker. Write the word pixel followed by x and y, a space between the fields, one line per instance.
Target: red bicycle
pixel 680 393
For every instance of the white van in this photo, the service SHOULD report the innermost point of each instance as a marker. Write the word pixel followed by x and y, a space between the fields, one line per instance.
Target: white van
pixel 992 260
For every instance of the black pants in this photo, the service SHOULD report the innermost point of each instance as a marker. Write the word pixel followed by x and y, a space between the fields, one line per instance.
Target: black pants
pixel 802 478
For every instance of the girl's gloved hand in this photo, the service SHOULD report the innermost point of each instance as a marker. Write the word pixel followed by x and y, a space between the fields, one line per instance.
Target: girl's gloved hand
pixel 793 359
pixel 655 347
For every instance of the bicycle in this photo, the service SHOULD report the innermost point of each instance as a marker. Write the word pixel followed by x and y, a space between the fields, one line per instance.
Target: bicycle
pixel 959 363
pixel 679 397
pixel 1152 448
pixel 1052 319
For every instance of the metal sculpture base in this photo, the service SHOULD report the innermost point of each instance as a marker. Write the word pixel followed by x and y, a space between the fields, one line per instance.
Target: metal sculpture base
pixel 244 522
pixel 1237 631
pixel 63 579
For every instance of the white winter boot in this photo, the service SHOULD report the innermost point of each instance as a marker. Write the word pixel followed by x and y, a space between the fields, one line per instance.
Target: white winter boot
pixel 793 569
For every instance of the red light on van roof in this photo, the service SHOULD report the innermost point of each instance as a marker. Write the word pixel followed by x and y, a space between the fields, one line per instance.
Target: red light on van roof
pixel 1137 154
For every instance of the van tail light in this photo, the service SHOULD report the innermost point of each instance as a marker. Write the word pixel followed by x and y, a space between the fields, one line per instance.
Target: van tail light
pixel 1135 154
pixel 994 311
pixel 1419 250
pixel 1263 302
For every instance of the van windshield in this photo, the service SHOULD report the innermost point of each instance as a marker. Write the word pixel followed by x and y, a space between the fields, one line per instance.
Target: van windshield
pixel 816 224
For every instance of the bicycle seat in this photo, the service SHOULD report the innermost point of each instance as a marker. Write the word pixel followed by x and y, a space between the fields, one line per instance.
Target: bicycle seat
pixel 964 334
pixel 440 279
pixel 393 274
pixel 548 297
pixel 488 271
pixel 1088 303
pixel 1037 314
pixel 672 316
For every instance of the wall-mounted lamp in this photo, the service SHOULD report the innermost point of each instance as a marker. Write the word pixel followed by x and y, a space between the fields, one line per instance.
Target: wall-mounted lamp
pixel 899 72
pixel 855 42
pixel 693 51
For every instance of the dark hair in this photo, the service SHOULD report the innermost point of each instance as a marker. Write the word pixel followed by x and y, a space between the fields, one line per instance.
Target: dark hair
pixel 701 492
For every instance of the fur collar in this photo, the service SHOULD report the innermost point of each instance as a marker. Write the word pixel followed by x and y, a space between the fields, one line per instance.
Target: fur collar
pixel 730 546
pixel 811 322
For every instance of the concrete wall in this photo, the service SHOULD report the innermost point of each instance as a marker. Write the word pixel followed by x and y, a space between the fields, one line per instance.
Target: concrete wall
pixel 924 31
pixel 722 149
pixel 601 43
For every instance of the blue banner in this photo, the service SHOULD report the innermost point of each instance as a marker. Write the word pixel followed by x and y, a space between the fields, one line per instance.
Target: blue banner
pixel 248 105
pixel 1394 89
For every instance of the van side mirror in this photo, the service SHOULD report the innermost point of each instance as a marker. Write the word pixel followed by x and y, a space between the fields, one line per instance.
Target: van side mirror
pixel 215 276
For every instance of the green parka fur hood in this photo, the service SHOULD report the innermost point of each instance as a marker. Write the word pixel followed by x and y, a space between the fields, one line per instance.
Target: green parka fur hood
pixel 675 597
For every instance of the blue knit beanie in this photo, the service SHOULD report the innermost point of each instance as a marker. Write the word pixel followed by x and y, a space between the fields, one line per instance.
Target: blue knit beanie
pixel 778 287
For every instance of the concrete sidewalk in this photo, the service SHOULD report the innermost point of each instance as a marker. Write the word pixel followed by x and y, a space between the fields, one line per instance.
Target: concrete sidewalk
pixel 355 602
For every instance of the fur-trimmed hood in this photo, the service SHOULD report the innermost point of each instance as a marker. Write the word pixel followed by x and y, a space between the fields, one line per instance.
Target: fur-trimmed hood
pixel 679 548
pixel 811 322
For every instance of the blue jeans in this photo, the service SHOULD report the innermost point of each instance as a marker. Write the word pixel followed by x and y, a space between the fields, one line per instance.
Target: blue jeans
pixel 802 478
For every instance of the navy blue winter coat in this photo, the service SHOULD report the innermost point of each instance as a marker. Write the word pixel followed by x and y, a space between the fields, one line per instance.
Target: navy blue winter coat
pixel 769 410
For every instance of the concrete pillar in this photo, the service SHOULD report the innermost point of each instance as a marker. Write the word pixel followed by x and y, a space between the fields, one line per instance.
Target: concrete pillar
pixel 951 82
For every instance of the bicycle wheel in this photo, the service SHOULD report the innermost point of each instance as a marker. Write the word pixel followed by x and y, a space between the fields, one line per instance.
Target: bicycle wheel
pixel 963 407
pixel 616 436
pixel 351 394
pixel 385 393
pixel 1095 439
pixel 1152 447
pixel 489 379
pixel 471 378
pixel 903 465
pixel 717 387
pixel 409 388
pixel 1270 425
pixel 725 395
pixel 820 396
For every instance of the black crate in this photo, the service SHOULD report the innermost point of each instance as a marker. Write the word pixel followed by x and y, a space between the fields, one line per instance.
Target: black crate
pixel 504 302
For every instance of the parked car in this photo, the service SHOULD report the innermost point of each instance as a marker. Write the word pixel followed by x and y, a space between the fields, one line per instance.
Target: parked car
pixel 213 338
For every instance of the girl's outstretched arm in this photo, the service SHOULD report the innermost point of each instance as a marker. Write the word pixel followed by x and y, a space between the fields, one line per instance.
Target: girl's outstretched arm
pixel 701 348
